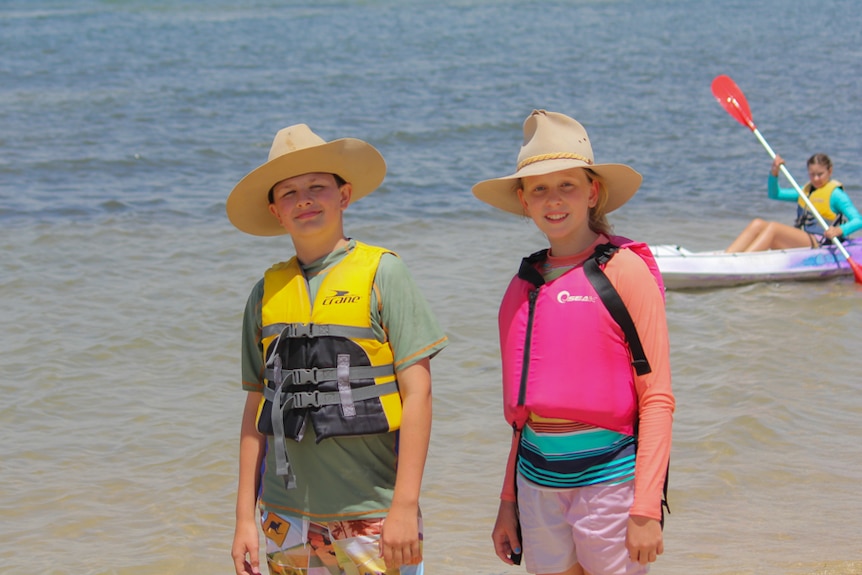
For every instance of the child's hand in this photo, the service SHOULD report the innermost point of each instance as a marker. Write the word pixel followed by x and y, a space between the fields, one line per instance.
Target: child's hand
pixel 245 549
pixel 399 537
pixel 776 165
pixel 644 539
pixel 505 534
pixel 833 232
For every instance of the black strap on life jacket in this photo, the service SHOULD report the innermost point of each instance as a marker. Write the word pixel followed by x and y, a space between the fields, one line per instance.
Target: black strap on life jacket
pixel 611 298
pixel 528 271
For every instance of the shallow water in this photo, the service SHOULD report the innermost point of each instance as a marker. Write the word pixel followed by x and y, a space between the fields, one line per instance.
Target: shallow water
pixel 126 123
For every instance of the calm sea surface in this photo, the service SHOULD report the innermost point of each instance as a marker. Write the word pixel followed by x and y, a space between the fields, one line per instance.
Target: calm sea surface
pixel 125 123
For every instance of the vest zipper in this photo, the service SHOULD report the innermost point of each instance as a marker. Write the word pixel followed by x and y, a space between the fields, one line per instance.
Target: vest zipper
pixel 525 366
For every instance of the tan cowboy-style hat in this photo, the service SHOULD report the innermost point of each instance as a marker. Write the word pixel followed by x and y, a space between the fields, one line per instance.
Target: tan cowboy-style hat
pixel 296 150
pixel 554 142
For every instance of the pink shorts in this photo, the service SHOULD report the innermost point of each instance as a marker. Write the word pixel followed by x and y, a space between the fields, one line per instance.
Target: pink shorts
pixel 585 525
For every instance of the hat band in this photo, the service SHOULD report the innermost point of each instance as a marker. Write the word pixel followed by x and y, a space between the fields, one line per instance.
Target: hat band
pixel 556 156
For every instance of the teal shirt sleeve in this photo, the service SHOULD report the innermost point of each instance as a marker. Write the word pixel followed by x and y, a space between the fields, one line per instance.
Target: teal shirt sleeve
pixel 840 203
pixel 778 193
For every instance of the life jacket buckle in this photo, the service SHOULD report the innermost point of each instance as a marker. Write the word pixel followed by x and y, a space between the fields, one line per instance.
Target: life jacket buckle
pixel 300 376
pixel 298 330
pixel 303 399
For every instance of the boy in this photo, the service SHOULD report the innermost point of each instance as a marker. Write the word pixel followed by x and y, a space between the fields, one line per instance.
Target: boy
pixel 336 351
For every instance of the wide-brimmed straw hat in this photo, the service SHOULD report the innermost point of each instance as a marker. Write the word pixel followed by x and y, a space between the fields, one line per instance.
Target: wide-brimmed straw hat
pixel 555 142
pixel 296 150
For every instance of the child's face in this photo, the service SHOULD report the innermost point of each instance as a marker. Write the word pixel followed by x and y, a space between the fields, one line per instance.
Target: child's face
pixel 559 203
pixel 819 175
pixel 310 204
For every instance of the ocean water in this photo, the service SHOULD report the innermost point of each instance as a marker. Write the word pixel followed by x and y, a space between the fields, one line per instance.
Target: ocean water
pixel 125 123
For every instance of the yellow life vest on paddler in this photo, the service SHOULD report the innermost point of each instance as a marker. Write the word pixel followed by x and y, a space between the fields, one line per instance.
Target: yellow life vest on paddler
pixel 323 360
pixel 820 199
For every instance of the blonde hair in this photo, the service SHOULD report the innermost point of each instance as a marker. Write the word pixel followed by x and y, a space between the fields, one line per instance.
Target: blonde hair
pixel 598 221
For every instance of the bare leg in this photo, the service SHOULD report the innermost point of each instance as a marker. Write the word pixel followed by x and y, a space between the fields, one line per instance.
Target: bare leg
pixel 748 235
pixel 777 236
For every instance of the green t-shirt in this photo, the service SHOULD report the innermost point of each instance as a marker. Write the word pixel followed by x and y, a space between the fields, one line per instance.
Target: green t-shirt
pixel 345 477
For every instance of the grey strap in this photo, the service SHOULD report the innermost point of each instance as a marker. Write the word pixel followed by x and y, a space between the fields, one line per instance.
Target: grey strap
pixel 282 400
pixel 282 465
pixel 303 399
pixel 296 330
pixel 319 374
pixel 348 409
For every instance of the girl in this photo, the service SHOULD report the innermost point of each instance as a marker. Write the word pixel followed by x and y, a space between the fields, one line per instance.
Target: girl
pixel 827 195
pixel 592 432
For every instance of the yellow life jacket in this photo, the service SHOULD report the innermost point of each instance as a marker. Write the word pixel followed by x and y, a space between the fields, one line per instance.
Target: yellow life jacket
pixel 323 360
pixel 820 199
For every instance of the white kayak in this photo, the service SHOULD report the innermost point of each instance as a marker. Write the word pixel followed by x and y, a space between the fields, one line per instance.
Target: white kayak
pixel 684 269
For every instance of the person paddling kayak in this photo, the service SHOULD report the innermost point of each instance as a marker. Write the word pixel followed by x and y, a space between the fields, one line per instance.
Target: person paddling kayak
pixel 827 195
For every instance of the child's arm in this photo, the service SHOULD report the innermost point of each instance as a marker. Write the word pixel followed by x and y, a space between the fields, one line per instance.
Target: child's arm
pixel 656 403
pixel 505 534
pixel 776 192
pixel 840 203
pixel 399 539
pixel 245 550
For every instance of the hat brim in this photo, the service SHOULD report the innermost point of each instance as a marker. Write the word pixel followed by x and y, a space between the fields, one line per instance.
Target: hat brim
pixel 620 181
pixel 357 162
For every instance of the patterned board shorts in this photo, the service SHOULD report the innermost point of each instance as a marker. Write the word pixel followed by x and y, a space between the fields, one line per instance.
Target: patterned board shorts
pixel 295 546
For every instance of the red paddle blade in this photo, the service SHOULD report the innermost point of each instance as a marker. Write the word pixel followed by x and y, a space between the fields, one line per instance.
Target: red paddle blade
pixel 857 270
pixel 733 100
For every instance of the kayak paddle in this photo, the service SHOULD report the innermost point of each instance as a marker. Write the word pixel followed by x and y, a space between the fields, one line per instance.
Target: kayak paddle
pixel 733 100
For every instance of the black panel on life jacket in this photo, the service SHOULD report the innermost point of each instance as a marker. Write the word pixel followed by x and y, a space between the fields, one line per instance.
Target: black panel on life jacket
pixel 327 420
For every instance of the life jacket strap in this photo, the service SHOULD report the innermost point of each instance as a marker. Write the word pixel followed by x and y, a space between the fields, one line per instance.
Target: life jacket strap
pixel 282 399
pixel 348 407
pixel 318 374
pixel 614 304
pixel 297 330
pixel 282 464
pixel 528 272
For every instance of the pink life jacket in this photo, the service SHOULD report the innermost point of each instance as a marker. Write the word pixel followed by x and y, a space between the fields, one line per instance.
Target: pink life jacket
pixel 568 347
